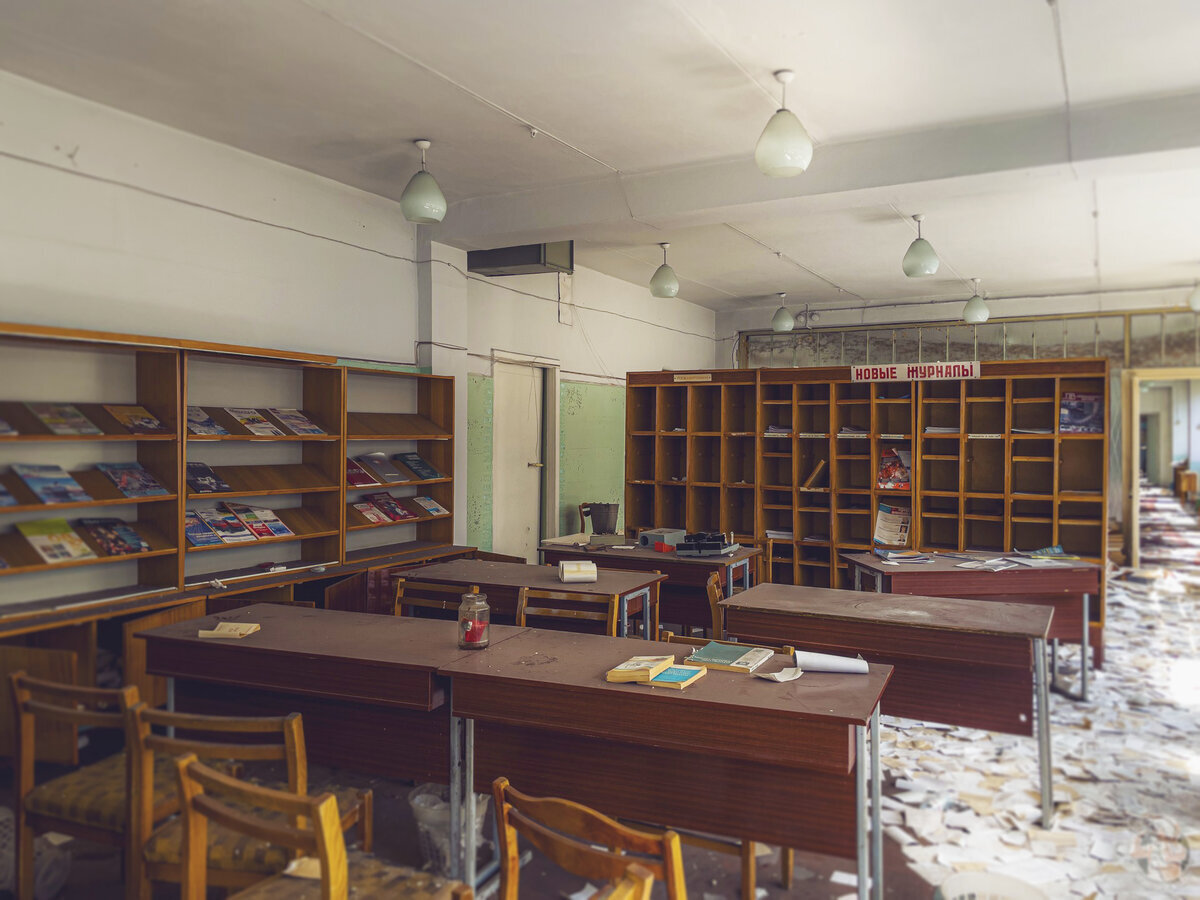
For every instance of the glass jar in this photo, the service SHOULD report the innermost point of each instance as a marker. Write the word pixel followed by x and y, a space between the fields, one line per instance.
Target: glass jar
pixel 474 617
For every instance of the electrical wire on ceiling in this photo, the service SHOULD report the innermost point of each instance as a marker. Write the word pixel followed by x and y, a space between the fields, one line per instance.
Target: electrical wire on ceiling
pixel 799 265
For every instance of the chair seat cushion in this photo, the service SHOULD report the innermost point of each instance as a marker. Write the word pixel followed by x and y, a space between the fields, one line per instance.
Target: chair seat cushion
pixel 94 795
pixel 370 879
pixel 230 850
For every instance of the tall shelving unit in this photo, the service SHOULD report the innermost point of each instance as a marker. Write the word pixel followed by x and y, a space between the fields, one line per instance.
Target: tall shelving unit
pixel 991 469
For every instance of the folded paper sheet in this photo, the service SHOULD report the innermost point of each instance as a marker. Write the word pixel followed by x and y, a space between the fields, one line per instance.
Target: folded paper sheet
pixel 827 662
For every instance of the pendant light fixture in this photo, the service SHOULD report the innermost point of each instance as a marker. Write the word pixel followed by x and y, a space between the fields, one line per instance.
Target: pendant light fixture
pixel 1194 298
pixel 664 283
pixel 423 202
pixel 920 259
pixel 784 148
pixel 782 321
pixel 976 311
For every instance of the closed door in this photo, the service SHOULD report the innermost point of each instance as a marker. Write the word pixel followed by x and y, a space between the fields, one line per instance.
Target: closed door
pixel 518 461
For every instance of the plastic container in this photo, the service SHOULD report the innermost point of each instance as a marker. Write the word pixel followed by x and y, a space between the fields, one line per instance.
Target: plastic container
pixel 430 804
pixel 986 886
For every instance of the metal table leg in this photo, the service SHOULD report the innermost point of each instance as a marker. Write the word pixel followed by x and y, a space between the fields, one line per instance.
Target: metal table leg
pixel 860 820
pixel 171 703
pixel 876 811
pixel 1042 697
pixel 857 577
pixel 469 848
pixel 456 799
pixel 744 565
pixel 644 593
pixel 879 582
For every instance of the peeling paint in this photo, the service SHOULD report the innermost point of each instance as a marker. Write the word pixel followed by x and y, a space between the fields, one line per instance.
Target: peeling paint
pixel 591 449
pixel 479 461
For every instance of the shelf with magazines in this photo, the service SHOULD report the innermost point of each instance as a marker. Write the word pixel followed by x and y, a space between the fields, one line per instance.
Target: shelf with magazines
pixel 398 468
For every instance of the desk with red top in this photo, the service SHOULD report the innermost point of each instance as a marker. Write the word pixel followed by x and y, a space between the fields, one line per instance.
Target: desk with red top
pixel 502 581
pixel 731 754
pixel 962 662
pixel 1068 589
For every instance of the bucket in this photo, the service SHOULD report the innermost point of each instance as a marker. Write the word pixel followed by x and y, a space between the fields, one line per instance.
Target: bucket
pixel 604 517
pixel 986 886
pixel 430 804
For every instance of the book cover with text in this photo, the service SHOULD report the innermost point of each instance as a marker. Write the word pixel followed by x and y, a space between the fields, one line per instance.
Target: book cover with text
pixel 132 479
pixel 63 418
pixel 51 484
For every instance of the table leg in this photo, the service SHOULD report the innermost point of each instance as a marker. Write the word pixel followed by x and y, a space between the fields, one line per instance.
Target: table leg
pixel 647 618
pixel 469 848
pixel 857 577
pixel 1083 648
pixel 879 582
pixel 1042 696
pixel 455 796
pixel 171 703
pixel 744 565
pixel 860 820
pixel 623 615
pixel 876 811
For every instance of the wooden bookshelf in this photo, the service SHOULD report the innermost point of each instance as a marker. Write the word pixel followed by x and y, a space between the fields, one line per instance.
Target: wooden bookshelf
pixel 991 469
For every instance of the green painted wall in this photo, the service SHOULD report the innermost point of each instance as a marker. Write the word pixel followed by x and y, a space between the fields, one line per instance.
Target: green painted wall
pixel 479 461
pixel 591 449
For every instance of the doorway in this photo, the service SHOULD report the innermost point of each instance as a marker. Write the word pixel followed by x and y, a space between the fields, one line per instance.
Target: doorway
pixel 524 456
pixel 1149 465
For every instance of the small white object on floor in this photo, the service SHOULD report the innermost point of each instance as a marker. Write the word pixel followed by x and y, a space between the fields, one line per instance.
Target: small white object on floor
pixel 583 893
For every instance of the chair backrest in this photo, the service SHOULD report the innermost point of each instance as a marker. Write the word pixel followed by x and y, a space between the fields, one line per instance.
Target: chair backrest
pixel 36 698
pixel 564 609
pixel 715 596
pixel 315 829
pixel 411 592
pixel 635 884
pixel 488 556
pixel 672 638
pixel 580 840
pixel 279 738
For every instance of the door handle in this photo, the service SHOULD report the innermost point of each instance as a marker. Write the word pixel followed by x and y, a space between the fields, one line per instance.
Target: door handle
pixel 536 465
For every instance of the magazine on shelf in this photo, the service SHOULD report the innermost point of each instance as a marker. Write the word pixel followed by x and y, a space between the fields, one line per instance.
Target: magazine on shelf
pixel 1081 413
pixel 226 525
pixel 62 418
pixel 200 422
pixel 51 484
pixel 197 531
pixel 381 467
pixel 259 520
pixel 419 466
pixel 390 506
pixel 132 479
pixel 6 428
pixel 892 524
pixel 137 419
pixel 115 537
pixel 357 476
pixel 254 421
pixel 203 480
pixel 371 512
pixel 431 506
pixel 294 419
pixel 6 497
pixel 894 468
pixel 55 540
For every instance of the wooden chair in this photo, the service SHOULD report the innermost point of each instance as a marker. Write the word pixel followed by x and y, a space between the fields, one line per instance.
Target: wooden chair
pixel 568 610
pixel 745 849
pixel 304 824
pixel 635 884
pixel 581 841
pixel 441 598
pixel 91 802
pixel 715 596
pixel 234 859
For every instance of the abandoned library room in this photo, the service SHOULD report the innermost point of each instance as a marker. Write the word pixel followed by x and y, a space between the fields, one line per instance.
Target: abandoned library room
pixel 607 450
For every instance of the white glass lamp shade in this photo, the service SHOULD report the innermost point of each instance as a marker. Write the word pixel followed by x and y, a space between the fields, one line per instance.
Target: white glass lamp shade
pixel 920 259
pixel 423 202
pixel 664 283
pixel 784 149
pixel 782 320
pixel 1194 299
pixel 976 311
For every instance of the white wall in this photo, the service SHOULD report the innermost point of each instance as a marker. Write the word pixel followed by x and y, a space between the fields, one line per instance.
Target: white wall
pixel 603 328
pixel 112 222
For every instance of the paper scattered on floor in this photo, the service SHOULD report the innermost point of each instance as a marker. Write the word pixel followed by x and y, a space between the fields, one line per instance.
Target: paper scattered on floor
pixel 1126 763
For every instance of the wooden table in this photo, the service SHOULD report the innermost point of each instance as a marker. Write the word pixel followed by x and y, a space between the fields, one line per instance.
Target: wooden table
pixel 963 662
pixel 502 581
pixel 731 754
pixel 683 598
pixel 1069 589
pixel 367 685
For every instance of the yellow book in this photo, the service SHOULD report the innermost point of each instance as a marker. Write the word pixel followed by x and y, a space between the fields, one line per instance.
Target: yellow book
pixel 638 668
pixel 230 630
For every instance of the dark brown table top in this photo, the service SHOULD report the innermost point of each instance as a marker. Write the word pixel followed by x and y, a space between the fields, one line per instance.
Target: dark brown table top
pixel 395 641
pixel 577 662
pixel 902 610
pixel 519 575
pixel 644 554
pixel 949 565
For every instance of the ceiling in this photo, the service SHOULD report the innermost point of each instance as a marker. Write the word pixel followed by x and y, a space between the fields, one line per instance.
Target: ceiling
pixel 1052 147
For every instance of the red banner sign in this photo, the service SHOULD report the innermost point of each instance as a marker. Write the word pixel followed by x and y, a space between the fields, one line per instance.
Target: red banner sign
pixel 950 371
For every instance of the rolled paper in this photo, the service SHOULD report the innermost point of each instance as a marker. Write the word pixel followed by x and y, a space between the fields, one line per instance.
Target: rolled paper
pixel 827 662
pixel 575 571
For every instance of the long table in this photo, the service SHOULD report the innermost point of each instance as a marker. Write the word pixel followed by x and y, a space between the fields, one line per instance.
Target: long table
pixel 1068 588
pixel 783 764
pixel 502 581
pixel 962 662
